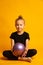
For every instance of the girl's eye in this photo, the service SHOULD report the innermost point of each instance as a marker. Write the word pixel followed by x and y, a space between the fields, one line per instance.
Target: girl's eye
pixel 20 24
pixel 17 25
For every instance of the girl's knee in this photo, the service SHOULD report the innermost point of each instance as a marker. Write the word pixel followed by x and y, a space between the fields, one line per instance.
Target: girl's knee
pixel 34 51
pixel 4 53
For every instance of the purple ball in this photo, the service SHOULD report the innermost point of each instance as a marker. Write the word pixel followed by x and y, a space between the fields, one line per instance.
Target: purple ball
pixel 18 49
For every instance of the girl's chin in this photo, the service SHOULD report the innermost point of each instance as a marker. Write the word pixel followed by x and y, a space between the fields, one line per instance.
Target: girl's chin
pixel 19 30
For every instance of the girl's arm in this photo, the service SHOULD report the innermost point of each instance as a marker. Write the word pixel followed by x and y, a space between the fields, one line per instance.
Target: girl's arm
pixel 12 44
pixel 26 48
pixel 27 42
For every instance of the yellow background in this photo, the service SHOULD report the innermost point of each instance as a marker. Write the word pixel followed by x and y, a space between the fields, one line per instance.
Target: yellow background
pixel 32 12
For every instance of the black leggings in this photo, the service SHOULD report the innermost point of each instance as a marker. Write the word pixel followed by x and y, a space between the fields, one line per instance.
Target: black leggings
pixel 8 54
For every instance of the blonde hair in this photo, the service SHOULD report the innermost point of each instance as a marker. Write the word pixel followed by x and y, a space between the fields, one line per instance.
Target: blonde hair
pixel 19 18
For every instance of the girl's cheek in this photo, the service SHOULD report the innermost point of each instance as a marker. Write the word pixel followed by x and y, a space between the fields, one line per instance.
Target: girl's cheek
pixel 16 26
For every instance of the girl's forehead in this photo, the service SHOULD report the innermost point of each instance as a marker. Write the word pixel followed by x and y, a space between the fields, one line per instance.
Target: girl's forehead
pixel 20 21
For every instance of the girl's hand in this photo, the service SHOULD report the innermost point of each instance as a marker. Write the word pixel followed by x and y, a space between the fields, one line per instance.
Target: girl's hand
pixel 24 54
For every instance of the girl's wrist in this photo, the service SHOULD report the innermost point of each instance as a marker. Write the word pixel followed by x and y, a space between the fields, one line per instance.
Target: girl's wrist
pixel 26 49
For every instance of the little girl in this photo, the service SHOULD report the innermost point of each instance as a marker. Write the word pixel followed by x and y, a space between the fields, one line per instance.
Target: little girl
pixel 23 37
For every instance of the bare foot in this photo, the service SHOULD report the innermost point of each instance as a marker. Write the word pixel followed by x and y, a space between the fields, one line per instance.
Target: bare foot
pixel 25 59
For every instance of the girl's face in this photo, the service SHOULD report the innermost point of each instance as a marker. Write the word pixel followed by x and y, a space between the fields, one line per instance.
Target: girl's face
pixel 19 25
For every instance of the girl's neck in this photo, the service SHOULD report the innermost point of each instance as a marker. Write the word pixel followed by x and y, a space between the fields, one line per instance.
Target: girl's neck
pixel 20 32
